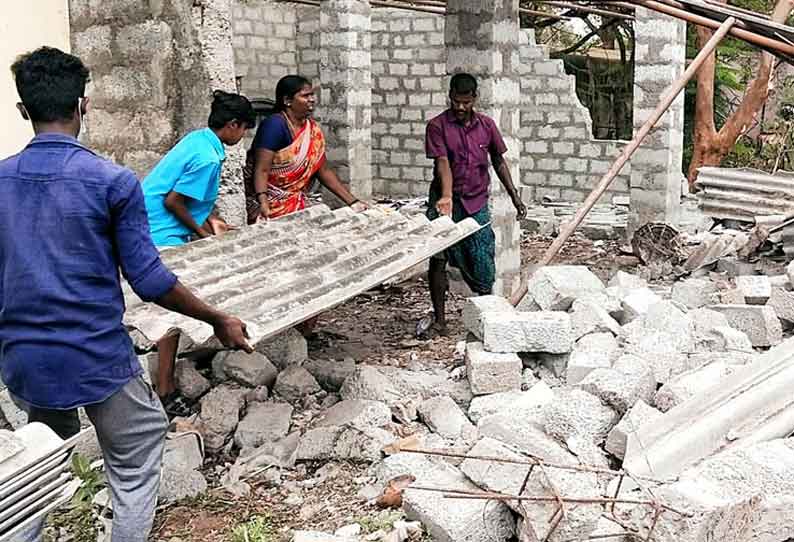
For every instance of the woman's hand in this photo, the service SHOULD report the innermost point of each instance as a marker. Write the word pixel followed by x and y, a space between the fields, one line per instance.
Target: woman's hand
pixel 264 210
pixel 218 226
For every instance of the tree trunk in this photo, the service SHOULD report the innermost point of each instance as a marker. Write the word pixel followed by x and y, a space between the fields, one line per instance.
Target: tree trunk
pixel 710 145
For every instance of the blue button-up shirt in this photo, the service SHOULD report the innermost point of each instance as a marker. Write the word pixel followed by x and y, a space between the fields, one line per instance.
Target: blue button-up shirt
pixel 68 221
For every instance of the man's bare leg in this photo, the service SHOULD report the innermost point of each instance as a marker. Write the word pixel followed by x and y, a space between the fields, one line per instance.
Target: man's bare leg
pixel 439 284
pixel 166 352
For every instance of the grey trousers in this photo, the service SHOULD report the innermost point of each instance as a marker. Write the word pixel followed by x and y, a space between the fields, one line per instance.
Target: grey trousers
pixel 131 427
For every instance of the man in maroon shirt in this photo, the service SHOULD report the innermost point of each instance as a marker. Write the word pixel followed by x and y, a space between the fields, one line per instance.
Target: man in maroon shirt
pixel 460 141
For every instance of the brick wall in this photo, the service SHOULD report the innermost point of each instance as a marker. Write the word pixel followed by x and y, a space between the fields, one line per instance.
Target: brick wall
pixel 560 157
pixel 265 45
pixel 409 81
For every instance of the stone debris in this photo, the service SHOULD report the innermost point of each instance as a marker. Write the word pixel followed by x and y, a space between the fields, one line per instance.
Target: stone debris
pixel 695 293
pixel 588 317
pixel 511 402
pixel 317 536
pixel 443 416
pixel 331 374
pixel 627 281
pixel 476 307
pixel 630 379
pixel 591 352
pixel 527 332
pixel 295 383
pixel 728 339
pixel 556 364
pixel 263 422
pixel 755 289
pixel 637 302
pixel 640 413
pixel 285 349
pixel 760 323
pixel 575 412
pixel 251 370
pixel 182 457
pixel 782 302
pixel 491 372
pixel 13 415
pixel 189 381
pixel 554 288
pixel 220 413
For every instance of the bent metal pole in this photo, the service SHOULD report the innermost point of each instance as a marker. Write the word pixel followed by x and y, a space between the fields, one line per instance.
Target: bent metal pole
pixel 628 150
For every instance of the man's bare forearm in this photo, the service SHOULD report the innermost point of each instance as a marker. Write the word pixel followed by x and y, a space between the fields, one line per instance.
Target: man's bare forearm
pixel 180 299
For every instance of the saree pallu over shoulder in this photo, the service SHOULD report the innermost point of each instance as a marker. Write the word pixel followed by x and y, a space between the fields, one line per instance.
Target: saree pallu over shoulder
pixel 290 174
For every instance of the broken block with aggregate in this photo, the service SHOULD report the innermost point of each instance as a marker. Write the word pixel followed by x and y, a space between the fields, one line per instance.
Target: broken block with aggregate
pixel 476 307
pixel 527 332
pixel 640 413
pixel 556 287
pixel 759 322
pixel 492 372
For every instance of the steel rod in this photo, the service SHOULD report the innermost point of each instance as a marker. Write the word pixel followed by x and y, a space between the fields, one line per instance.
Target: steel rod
pixel 587 9
pixel 629 150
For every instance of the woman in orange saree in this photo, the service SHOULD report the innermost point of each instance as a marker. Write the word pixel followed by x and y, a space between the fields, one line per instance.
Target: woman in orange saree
pixel 287 153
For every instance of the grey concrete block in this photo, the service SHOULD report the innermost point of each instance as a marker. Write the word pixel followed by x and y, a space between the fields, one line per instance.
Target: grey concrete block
pixel 475 307
pixel 356 413
pixel 285 349
pixel 220 412
pixel 443 416
pixel 557 364
pixel 250 370
pixel 637 302
pixel 640 413
pixel 556 287
pixel 329 373
pixel 782 301
pixel 263 422
pixel 189 381
pixel 578 413
pixel 756 289
pixel 627 281
pixel 511 402
pixel 295 383
pixel 492 476
pixel 527 332
pixel 759 322
pixel 587 317
pixel 343 443
pixel 180 483
pixel 490 372
pixel 594 351
pixel 631 379
pixel 713 368
pixel 695 293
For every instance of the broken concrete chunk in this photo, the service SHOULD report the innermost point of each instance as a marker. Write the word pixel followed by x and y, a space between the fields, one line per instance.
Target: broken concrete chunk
pixel 790 273
pixel 287 348
pixel 456 520
pixel 760 323
pixel 637 302
pixel 250 370
pixel 264 422
pixel 706 319
pixel 731 296
pixel 692 383
pixel 294 383
pixel 178 483
pixel 511 402
pixel 443 416
pixel 220 412
pixel 493 476
pixel 15 417
pixel 554 288
pixel 343 443
pixel 587 317
pixel 329 373
pixel 695 293
pixel 630 380
pixel 640 413
pixel 490 372
pixel 576 412
pixel 728 339
pixel 527 304
pixel 182 450
pixel 527 332
pixel 356 413
pixel 597 350
pixel 189 381
pixel 782 301
pixel 627 281
pixel 756 289
pixel 557 364
pixel 475 307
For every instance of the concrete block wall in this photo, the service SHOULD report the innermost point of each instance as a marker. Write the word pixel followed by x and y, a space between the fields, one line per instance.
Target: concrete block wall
pixel 308 42
pixel 409 87
pixel 265 44
pixel 153 67
pixel 560 157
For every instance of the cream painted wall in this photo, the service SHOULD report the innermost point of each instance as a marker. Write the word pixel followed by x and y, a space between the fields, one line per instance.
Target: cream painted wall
pixel 24 26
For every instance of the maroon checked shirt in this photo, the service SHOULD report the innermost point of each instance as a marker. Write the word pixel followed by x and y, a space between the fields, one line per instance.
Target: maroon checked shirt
pixel 468 149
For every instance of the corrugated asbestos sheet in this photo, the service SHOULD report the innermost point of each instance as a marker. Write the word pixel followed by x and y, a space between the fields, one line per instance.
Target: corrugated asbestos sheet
pixel 280 273
pixel 743 194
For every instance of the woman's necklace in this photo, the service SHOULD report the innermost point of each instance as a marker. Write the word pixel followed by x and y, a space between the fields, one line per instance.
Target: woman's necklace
pixel 291 126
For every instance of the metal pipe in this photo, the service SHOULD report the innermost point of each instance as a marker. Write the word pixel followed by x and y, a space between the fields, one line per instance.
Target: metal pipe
pixel 629 150
pixel 586 9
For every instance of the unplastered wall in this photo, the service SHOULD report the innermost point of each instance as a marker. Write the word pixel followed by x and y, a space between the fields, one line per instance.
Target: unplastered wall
pixel 409 87
pixel 265 44
pixel 560 157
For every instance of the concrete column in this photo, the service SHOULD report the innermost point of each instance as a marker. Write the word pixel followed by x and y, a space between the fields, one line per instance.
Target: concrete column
pixel 346 97
pixel 656 175
pixel 482 38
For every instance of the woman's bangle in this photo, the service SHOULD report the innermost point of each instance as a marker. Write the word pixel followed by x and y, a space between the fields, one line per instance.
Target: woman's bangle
pixel 353 202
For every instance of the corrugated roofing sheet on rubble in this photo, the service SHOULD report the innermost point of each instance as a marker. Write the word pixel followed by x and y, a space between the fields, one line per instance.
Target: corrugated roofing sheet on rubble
pixel 742 194
pixel 280 273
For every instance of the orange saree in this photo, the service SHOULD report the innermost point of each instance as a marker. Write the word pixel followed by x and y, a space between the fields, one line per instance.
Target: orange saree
pixel 290 175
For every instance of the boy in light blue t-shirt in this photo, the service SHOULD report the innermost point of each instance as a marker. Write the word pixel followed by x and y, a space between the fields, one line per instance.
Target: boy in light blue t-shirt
pixel 180 194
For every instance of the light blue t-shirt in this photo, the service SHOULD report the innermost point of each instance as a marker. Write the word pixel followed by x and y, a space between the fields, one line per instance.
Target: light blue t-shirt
pixel 192 168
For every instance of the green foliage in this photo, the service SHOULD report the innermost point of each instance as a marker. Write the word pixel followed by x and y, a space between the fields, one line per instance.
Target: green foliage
pixel 80 518
pixel 258 528
pixel 384 521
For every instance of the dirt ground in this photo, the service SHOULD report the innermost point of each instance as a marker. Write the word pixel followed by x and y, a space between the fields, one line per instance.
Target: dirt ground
pixel 374 328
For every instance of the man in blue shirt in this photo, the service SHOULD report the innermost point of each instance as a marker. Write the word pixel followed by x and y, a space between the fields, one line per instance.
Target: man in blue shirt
pixel 68 221
pixel 180 194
